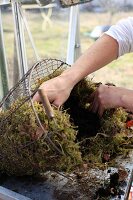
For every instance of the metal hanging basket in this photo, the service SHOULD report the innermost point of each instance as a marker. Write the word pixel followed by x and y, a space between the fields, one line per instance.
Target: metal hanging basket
pixel 28 85
pixel 29 142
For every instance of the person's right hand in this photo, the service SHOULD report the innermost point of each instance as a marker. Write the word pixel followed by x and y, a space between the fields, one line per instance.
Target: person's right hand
pixel 57 90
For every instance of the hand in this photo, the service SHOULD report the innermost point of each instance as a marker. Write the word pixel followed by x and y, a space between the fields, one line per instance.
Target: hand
pixel 108 97
pixel 57 90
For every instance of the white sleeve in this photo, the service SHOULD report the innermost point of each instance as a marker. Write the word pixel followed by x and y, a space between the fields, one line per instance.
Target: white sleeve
pixel 123 33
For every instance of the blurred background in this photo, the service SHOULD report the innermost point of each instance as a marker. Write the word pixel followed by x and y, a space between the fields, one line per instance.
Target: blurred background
pixel 49 26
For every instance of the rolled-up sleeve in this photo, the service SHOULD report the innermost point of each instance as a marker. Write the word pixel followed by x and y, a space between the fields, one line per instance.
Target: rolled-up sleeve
pixel 123 33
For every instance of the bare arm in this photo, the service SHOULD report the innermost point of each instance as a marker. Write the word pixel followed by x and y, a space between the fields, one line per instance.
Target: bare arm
pixel 102 52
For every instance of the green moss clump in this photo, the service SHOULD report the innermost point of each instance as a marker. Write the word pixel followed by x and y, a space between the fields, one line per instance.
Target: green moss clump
pixel 98 136
pixel 24 148
pixel 113 121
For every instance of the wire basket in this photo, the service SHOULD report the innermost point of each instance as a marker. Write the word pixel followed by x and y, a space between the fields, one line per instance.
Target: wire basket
pixel 24 153
pixel 29 84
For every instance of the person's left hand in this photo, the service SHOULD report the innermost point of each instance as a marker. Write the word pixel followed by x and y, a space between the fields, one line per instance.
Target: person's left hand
pixel 106 97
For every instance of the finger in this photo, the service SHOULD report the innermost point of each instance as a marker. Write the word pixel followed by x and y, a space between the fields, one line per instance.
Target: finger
pixel 91 101
pixel 94 107
pixel 95 104
pixel 91 97
pixel 100 110
pixel 36 97
pixel 58 103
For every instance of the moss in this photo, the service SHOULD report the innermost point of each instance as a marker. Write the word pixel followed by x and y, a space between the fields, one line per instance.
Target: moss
pixel 75 136
pixel 97 136
pixel 113 121
pixel 24 148
pixel 77 106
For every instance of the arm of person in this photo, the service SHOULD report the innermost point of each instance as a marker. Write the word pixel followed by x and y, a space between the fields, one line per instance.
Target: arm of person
pixel 117 41
pixel 102 52
pixel 111 45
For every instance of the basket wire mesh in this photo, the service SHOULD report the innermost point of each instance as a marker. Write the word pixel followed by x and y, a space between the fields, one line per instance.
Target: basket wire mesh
pixel 26 88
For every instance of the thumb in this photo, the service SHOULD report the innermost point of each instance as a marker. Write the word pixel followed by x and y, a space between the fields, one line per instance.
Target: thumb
pixel 36 97
pixel 57 103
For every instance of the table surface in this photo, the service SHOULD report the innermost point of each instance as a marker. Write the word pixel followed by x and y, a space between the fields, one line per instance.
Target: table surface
pixel 58 186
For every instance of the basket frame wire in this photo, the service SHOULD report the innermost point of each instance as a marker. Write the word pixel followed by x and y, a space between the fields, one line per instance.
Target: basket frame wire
pixel 10 92
pixel 46 134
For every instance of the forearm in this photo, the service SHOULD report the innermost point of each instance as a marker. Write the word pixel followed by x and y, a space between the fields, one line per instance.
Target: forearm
pixel 102 52
pixel 127 101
